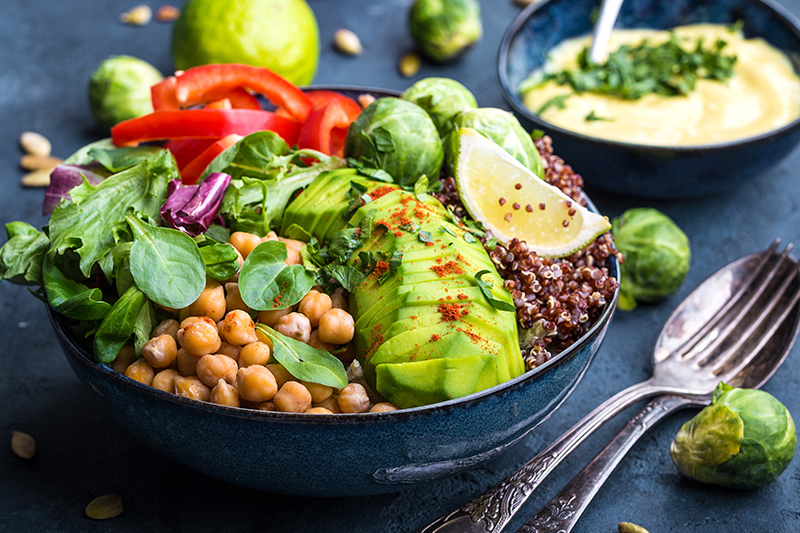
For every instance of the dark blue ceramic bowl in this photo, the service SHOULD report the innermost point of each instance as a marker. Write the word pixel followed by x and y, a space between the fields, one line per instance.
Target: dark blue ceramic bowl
pixel 344 454
pixel 639 170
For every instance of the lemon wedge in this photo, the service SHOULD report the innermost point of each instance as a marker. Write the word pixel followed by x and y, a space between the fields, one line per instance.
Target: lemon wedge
pixel 512 201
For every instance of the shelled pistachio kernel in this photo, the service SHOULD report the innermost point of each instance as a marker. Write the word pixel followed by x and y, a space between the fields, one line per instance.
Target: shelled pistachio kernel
pixel 409 64
pixel 138 16
pixel 627 527
pixel 167 13
pixel 39 162
pixel 347 42
pixel 525 3
pixel 35 143
pixel 37 178
pixel 23 445
pixel 104 507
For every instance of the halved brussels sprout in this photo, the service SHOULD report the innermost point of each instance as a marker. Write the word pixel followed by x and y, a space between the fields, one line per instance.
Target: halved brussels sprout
pixel 443 29
pixel 119 89
pixel 442 98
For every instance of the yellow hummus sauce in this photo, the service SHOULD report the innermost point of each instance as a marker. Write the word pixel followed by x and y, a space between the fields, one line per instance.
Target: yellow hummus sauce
pixel 763 94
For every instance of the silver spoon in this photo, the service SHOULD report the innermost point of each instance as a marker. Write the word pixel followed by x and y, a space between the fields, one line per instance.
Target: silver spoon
pixel 696 350
pixel 563 511
pixel 603 27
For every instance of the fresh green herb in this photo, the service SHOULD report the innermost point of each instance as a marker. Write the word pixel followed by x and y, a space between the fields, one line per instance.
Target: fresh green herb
pixel 374 173
pixel 736 27
pixel 486 289
pixel 22 255
pixel 267 282
pixel 358 197
pixel 537 134
pixel 474 227
pixel 591 117
pixel 118 325
pixel 632 72
pixel 411 228
pixel 221 260
pixel 297 232
pixel 344 242
pixel 425 236
pixel 313 256
pixel 70 298
pixel 166 264
pixel 557 101
pixel 421 189
pixel 304 362
pixel 368 262
pixel 448 231
pixel 394 263
pixel 347 276
pixel 469 237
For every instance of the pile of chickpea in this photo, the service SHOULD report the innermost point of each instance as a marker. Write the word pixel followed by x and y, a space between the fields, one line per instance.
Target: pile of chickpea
pixel 216 354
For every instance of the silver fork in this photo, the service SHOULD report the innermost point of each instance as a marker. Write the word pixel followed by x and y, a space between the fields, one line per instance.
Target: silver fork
pixel 688 367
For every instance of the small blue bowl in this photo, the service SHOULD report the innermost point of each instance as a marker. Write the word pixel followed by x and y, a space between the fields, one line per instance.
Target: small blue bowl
pixel 640 170
pixel 342 454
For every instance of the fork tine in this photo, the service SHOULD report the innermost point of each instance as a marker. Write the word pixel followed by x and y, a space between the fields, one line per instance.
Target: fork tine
pixel 731 353
pixel 756 274
pixel 735 323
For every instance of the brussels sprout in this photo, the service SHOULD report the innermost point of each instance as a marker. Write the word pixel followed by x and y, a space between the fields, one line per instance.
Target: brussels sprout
pixel 503 128
pixel 656 256
pixel 443 29
pixel 442 98
pixel 743 440
pixel 120 89
pixel 398 137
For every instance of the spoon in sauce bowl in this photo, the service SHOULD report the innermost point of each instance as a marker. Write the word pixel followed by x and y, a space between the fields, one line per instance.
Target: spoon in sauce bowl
pixel 609 10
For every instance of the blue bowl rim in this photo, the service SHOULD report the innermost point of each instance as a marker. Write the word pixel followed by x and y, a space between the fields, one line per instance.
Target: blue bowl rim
pixel 79 354
pixel 781 14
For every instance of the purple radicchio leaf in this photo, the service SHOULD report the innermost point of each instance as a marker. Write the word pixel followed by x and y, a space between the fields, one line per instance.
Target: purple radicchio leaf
pixel 66 177
pixel 192 208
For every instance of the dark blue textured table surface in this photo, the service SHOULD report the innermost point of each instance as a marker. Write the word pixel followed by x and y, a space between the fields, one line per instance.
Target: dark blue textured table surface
pixel 48 50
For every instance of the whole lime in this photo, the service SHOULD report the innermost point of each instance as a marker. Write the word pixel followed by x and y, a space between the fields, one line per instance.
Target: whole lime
pixel 281 35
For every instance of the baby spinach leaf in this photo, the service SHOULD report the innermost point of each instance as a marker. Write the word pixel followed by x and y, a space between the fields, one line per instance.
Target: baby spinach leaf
pixel 297 232
pixel 121 255
pixel 21 257
pixel 118 325
pixel 117 159
pixel 267 282
pixel 304 362
pixel 347 276
pixel 166 264
pixel 70 298
pixel 221 261
pixel 486 289
pixel 145 322
pixel 218 233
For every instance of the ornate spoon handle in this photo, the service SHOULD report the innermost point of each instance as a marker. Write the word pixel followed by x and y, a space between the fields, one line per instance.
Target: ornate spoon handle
pixel 562 512
pixel 491 511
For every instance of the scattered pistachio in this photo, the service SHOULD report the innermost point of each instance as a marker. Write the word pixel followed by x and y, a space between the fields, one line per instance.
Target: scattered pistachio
pixel 104 507
pixel 409 64
pixel 365 99
pixel 627 527
pixel 38 162
pixel 167 13
pixel 138 16
pixel 525 3
pixel 35 143
pixel 37 178
pixel 23 445
pixel 347 42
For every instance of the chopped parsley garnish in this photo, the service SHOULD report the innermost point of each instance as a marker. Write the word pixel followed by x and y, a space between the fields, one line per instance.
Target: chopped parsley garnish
pixel 591 117
pixel 425 236
pixel 486 289
pixel 448 231
pixel 556 101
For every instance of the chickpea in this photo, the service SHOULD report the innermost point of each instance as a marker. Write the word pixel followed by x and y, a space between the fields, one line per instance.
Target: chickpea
pixel 295 325
pixel 125 357
pixel 255 353
pixel 244 242
pixel 314 305
pixel 221 330
pixel 230 350
pixel 293 397
pixel 233 298
pixel 318 392
pixel 170 310
pixel 270 318
pixel 239 328
pixel 338 300
pixel 199 338
pixel 336 327
pixel 293 248
pixel 192 388
pixel 314 342
pixel 281 374
pixel 353 399
pixel 194 320
pixel 319 411
pixel 265 406
pixel 160 351
pixel 382 407
pixel 165 380
pixel 224 393
pixel 330 403
pixel 271 236
pixel 212 368
pixel 210 303
pixel 256 383
pixel 187 363
pixel 169 326
pixel 262 337
pixel 140 371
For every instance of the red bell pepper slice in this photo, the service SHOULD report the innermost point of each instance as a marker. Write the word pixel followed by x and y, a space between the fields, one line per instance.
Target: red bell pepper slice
pixel 224 103
pixel 205 83
pixel 202 124
pixel 192 172
pixel 325 129
pixel 185 150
